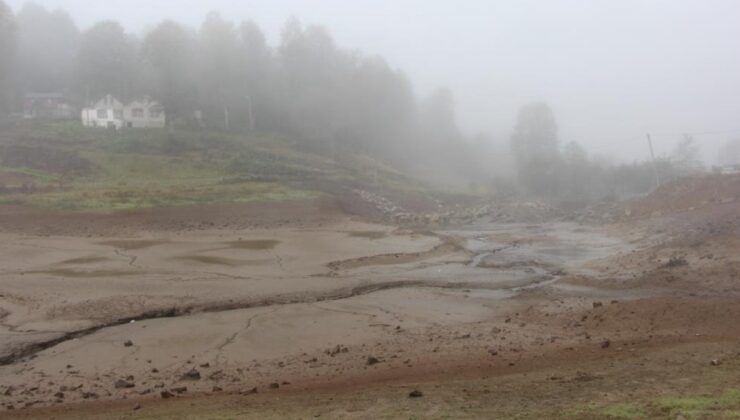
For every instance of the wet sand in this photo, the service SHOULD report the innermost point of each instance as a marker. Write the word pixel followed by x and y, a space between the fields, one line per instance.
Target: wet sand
pixel 256 307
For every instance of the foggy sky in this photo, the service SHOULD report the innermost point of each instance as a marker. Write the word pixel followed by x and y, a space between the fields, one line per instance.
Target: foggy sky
pixel 611 70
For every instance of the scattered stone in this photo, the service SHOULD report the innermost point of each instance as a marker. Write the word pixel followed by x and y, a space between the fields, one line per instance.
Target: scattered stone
pixel 372 360
pixel 179 389
pixel 597 305
pixel 137 407
pixel 59 395
pixel 205 365
pixel 676 262
pixel 249 391
pixel 214 376
pixel 216 388
pixel 605 344
pixel 128 343
pixel 166 394
pixel 88 395
pixel 415 394
pixel 714 362
pixel 191 375
pixel 155 370
pixel 123 383
pixel 336 350
pixel 492 351
pixel 274 385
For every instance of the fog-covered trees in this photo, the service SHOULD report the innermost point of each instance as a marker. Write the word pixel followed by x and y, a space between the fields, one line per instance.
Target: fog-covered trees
pixel 685 158
pixel 107 61
pixel 168 54
pixel 7 57
pixel 534 143
pixel 47 49
pixel 223 75
pixel 729 153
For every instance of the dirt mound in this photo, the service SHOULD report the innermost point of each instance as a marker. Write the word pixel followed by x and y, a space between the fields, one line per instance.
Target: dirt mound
pixel 686 194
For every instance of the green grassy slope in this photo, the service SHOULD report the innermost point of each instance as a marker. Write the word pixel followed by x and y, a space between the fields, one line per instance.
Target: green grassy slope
pixel 64 166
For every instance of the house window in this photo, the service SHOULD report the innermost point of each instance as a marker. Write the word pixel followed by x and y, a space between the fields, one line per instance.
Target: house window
pixel 155 113
pixel 118 114
pixel 137 112
pixel 102 113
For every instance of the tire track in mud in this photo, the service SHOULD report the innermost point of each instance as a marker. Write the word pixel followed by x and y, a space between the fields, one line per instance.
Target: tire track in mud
pixel 31 349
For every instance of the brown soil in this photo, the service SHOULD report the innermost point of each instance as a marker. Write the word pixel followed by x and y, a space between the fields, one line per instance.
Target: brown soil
pixel 622 334
pixel 34 221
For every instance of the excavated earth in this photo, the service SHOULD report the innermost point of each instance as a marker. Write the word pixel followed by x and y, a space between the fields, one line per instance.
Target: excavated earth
pixel 329 306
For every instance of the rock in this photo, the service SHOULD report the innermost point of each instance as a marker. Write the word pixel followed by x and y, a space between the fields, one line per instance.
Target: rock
pixel 274 385
pixel 216 388
pixel 166 394
pixel 179 389
pixel 88 395
pixel 249 391
pixel 492 351
pixel 597 305
pixel 336 350
pixel 137 407
pixel 215 376
pixel 605 344
pixel 128 343
pixel 372 360
pixel 59 395
pixel 415 394
pixel 191 375
pixel 205 365
pixel 123 383
pixel 714 362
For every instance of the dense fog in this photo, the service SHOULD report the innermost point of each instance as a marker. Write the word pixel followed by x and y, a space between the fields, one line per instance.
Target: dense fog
pixel 225 74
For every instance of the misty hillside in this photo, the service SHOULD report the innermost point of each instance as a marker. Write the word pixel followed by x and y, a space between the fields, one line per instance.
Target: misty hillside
pixel 66 167
pixel 239 111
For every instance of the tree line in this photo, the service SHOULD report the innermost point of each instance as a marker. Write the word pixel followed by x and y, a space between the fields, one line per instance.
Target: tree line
pixel 224 75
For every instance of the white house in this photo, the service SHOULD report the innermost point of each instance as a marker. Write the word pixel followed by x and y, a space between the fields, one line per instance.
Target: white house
pixel 107 113
pixel 111 113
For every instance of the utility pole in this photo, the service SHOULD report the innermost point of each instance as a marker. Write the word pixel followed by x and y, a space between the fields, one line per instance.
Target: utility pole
pixel 652 156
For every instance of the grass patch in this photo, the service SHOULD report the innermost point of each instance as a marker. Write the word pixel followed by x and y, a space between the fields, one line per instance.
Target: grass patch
pixel 368 234
pixel 145 168
pixel 725 405
pixel 624 411
pixel 39 175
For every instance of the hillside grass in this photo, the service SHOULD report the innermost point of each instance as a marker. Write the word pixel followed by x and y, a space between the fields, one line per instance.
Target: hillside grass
pixel 144 168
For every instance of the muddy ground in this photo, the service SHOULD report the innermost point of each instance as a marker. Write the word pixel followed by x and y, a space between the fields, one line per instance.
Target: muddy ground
pixel 329 315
